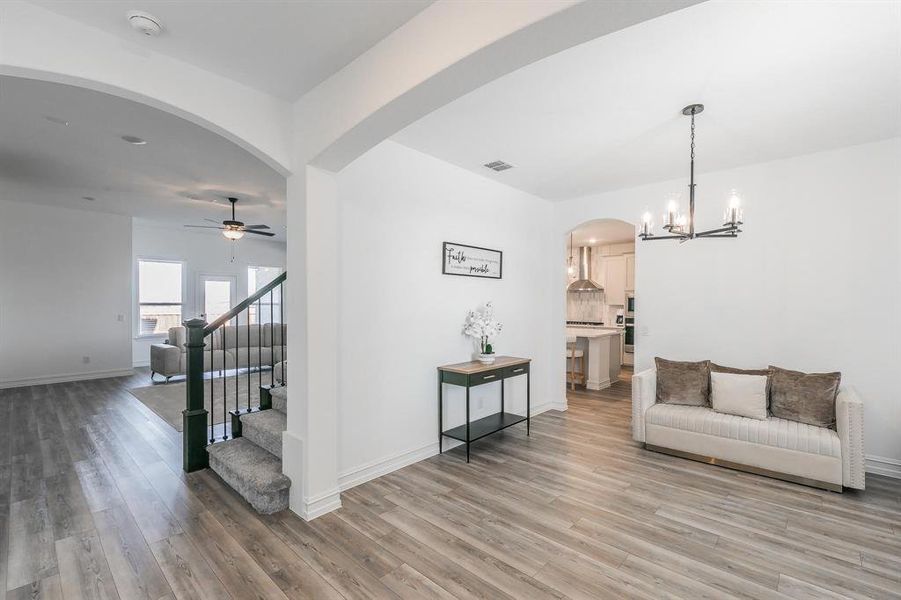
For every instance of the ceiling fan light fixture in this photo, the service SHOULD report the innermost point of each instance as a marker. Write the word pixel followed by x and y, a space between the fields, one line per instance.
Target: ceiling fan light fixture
pixel 232 234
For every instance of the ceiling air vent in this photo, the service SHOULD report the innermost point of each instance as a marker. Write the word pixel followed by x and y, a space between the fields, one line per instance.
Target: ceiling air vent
pixel 498 165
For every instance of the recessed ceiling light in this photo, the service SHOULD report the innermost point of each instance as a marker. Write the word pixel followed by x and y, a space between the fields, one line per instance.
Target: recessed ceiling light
pixel 88 198
pixel 144 23
pixel 134 140
pixel 57 120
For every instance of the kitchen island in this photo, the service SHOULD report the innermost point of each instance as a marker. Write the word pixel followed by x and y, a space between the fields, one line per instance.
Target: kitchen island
pixel 602 354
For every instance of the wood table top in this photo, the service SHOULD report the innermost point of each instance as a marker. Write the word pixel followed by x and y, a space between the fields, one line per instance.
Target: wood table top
pixel 474 366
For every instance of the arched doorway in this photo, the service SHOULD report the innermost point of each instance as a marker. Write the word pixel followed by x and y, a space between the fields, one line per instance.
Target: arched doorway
pixel 600 304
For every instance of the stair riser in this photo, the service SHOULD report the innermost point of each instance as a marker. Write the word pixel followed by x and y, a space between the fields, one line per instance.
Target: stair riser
pixel 280 400
pixel 267 440
pixel 262 502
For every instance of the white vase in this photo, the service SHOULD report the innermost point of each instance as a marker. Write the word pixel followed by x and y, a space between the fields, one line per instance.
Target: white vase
pixel 486 359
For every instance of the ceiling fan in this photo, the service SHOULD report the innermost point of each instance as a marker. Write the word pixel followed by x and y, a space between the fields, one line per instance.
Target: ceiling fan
pixel 234 229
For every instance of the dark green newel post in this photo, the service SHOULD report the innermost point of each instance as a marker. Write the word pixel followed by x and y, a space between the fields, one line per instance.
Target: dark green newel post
pixel 194 417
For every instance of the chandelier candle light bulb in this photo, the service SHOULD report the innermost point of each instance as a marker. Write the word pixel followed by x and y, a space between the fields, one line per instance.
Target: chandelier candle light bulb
pixel 672 213
pixel 646 223
pixel 733 215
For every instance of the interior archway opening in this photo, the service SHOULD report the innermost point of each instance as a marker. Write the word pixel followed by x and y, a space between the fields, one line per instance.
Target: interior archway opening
pixel 600 306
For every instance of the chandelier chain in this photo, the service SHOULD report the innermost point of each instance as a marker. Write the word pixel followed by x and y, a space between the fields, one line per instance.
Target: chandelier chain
pixel 692 136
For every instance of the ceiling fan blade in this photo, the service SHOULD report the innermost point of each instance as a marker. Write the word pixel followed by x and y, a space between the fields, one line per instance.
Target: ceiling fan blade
pixel 259 232
pixel 213 221
pixel 256 227
pixel 204 227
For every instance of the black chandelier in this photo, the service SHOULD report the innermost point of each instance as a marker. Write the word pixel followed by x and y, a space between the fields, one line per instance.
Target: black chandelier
pixel 682 228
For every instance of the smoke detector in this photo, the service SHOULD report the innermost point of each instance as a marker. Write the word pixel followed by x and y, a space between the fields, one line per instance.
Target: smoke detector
pixel 145 23
pixel 498 165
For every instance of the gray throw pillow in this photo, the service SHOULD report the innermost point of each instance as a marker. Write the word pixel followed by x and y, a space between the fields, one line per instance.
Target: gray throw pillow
pixel 683 382
pixel 804 397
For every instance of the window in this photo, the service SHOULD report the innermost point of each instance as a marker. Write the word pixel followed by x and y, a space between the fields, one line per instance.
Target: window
pixel 159 296
pixel 270 304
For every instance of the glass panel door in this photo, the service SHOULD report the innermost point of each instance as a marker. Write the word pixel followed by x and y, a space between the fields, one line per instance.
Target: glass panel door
pixel 216 295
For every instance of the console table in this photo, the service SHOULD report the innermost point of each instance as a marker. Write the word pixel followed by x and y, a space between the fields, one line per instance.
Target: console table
pixel 471 374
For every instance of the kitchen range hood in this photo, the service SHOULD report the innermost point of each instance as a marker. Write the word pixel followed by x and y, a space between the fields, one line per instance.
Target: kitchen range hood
pixel 584 282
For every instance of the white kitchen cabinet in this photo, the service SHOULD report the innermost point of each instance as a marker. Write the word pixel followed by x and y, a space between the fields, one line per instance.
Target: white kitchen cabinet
pixel 630 272
pixel 615 280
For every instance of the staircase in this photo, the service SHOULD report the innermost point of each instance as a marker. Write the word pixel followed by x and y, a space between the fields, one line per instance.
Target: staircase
pixel 252 464
pixel 246 449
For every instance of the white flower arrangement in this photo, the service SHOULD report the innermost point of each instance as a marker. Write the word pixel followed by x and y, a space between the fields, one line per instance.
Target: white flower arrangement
pixel 482 326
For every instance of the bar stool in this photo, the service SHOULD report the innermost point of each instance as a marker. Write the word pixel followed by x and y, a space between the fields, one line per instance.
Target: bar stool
pixel 572 355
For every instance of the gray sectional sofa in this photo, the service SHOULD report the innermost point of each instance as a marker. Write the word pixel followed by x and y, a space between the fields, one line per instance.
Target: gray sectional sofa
pixel 232 347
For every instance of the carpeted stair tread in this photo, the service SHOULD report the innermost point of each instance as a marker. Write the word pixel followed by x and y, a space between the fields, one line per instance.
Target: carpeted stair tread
pixel 264 428
pixel 280 398
pixel 252 472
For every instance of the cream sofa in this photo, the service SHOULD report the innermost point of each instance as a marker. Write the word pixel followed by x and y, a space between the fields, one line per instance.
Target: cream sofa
pixel 231 347
pixel 775 447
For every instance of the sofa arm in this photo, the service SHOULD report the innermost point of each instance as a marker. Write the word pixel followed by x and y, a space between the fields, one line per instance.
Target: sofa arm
pixel 849 425
pixel 644 396
pixel 165 359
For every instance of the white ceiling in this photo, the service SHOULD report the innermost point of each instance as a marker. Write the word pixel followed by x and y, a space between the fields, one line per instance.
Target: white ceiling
pixel 181 176
pixel 284 48
pixel 778 78
pixel 602 232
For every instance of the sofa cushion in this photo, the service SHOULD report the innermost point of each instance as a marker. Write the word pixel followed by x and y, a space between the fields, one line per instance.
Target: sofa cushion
pixel 178 337
pixel 237 337
pixel 804 397
pixel 683 382
pixel 251 357
pixel 738 394
pixel 772 431
pixel 274 334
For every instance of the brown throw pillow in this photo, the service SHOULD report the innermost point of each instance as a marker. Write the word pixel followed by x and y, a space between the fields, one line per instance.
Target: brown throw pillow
pixel 683 382
pixel 804 397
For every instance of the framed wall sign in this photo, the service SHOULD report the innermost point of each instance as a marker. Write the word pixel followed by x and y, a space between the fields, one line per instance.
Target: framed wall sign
pixel 472 261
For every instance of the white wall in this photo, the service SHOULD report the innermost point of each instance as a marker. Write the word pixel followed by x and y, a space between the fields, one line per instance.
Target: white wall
pixel 399 317
pixel 202 253
pixel 814 282
pixel 65 294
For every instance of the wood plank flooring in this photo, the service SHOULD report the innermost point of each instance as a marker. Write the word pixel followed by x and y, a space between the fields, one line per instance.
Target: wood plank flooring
pixel 93 504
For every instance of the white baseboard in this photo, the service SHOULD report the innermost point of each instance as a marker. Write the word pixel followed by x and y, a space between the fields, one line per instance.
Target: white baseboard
pixel 880 465
pixel 141 363
pixel 321 504
pixel 367 472
pixel 560 405
pixel 13 383
pixel 306 507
